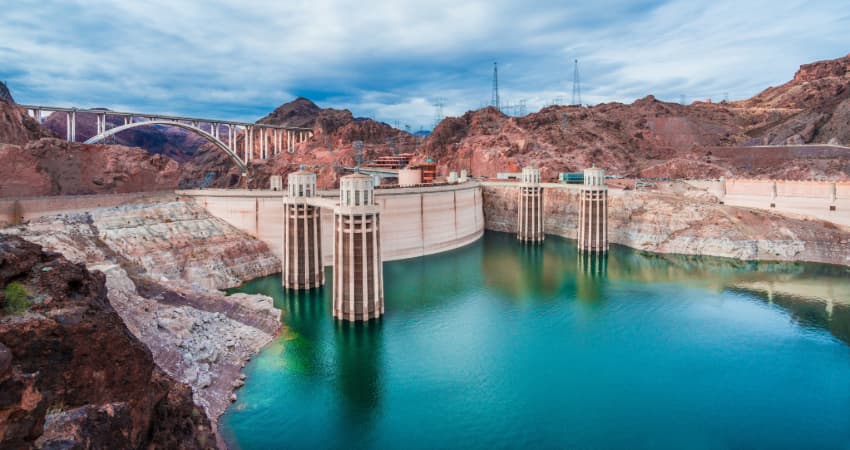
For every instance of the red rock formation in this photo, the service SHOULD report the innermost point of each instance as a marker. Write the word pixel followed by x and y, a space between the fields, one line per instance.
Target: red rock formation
pixel 654 138
pixel 16 127
pixel 56 167
pixel 72 375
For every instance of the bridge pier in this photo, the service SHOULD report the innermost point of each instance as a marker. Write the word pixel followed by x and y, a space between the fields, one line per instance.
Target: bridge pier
pixel 530 210
pixel 302 234
pixel 358 292
pixel 71 126
pixel 593 212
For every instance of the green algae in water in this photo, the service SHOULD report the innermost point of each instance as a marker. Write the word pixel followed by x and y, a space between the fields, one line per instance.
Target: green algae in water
pixel 501 344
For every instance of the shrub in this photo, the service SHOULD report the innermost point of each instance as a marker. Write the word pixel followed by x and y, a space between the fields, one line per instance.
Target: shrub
pixel 17 298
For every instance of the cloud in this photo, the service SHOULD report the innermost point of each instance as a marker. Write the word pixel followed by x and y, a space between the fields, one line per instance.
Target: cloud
pixel 234 59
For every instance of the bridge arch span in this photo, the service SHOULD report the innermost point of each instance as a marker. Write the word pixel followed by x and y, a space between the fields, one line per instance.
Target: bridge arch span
pixel 218 143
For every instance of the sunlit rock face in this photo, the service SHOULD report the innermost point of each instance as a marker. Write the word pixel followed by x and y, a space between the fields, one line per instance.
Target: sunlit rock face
pixel 163 265
pixel 70 372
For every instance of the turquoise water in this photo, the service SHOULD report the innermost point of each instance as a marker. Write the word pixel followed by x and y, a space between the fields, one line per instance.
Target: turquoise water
pixel 501 345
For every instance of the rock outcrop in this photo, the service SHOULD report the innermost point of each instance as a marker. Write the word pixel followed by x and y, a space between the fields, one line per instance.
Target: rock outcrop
pixel 163 263
pixel 72 376
pixel 16 127
pixel 58 167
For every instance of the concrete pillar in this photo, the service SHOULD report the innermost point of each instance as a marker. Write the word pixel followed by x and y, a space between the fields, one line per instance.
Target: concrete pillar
pixel 530 210
pixel 68 127
pixel 302 253
pixel 250 142
pixel 245 143
pixel 73 126
pixel 593 212
pixel 358 292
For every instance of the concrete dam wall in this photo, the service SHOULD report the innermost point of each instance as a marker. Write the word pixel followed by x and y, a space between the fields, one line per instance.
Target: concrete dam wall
pixel 414 221
pixel 824 200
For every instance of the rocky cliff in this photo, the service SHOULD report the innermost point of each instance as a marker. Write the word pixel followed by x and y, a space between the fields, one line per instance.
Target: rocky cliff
pixel 16 127
pixel 57 167
pixel 40 164
pixel 71 375
pixel 683 221
pixel 652 138
pixel 162 263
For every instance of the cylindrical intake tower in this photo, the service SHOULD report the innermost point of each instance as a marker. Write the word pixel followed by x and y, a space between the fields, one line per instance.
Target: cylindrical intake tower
pixel 530 206
pixel 593 212
pixel 302 234
pixel 358 292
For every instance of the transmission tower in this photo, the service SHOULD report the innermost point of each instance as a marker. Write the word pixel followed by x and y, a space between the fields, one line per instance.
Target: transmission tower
pixel 439 103
pixel 576 86
pixel 494 98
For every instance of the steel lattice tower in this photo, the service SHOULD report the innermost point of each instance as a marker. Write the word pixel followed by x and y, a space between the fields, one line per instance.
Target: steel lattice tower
pixel 576 86
pixel 494 99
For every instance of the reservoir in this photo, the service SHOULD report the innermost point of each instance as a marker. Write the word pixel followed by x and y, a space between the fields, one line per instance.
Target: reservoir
pixel 504 345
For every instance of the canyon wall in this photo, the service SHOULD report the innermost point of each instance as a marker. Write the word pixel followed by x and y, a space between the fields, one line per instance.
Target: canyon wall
pixel 691 222
pixel 414 221
pixel 163 262
pixel 71 375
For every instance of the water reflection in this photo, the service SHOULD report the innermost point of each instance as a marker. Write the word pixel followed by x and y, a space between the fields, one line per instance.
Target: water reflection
pixel 358 362
pixel 814 294
pixel 590 276
pixel 523 272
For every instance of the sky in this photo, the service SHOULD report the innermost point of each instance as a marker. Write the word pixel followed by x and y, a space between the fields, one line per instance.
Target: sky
pixel 394 60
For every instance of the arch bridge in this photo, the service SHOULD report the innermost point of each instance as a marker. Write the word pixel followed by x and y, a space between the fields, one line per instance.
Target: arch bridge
pixel 258 141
